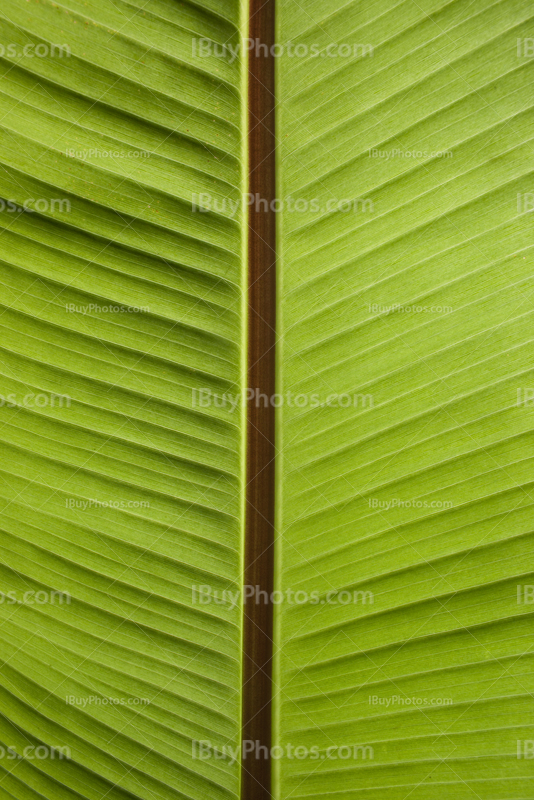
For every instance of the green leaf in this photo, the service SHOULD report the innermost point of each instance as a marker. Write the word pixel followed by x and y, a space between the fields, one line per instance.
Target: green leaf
pixel 403 655
pixel 411 489
pixel 119 490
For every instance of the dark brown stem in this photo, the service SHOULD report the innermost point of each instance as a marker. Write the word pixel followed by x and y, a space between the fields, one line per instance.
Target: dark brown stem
pixel 258 621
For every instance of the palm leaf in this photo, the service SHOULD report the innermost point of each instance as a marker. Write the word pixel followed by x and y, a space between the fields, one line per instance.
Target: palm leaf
pixel 404 457
pixel 415 499
pixel 123 494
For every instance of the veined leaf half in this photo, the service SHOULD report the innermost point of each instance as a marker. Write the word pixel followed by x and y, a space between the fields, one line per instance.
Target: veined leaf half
pixel 121 487
pixel 405 483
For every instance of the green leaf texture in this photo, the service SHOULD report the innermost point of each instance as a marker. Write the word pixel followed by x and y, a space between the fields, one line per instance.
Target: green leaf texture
pixel 417 305
pixel 125 494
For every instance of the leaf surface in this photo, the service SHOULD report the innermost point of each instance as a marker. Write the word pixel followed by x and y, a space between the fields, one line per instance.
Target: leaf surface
pixel 118 487
pixel 406 484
